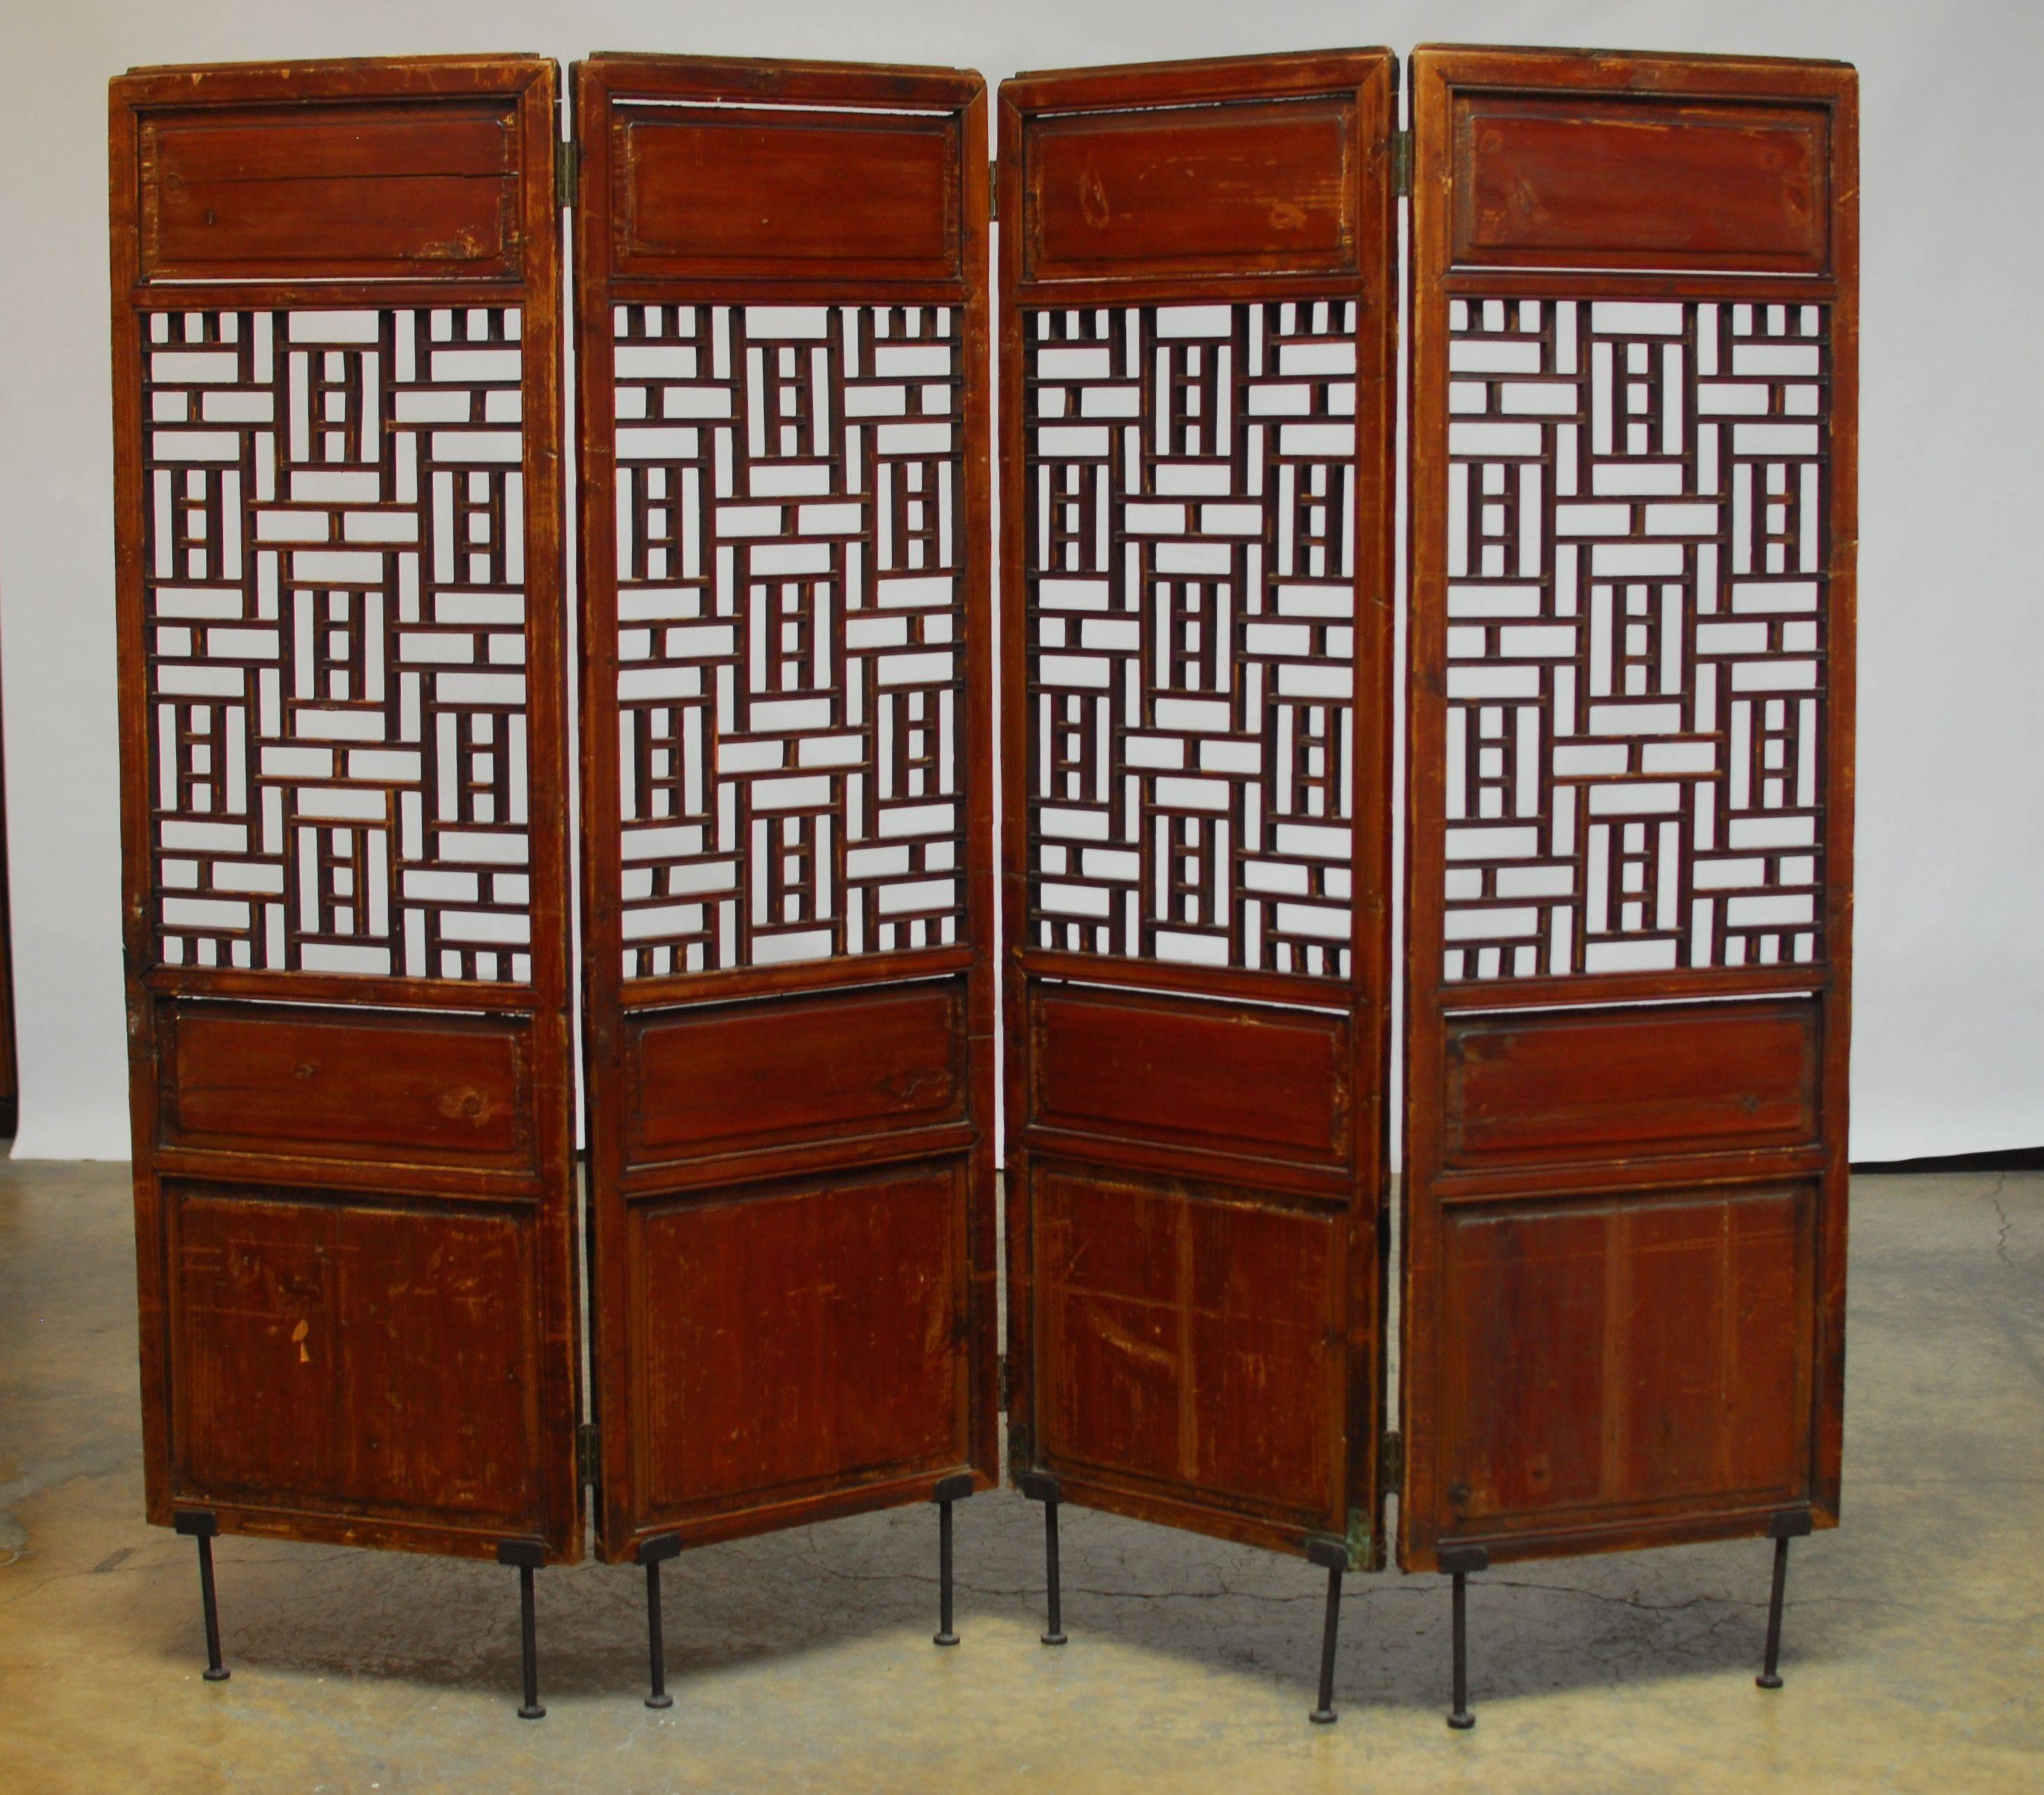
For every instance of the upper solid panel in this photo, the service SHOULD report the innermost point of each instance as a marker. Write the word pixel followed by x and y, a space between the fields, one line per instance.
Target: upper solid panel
pixel 1576 160
pixel 780 171
pixel 746 189
pixel 1206 189
pixel 340 171
pixel 1227 169
pixel 1655 183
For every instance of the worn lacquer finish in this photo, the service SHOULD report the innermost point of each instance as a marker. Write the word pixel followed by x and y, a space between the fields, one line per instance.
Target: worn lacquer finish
pixel 787 805
pixel 1635 326
pixel 1197 325
pixel 336 417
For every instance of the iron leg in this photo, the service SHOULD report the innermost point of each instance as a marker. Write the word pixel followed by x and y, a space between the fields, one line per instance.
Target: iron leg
pixel 527 1555
pixel 1770 1675
pixel 1460 1718
pixel 1323 1716
pixel 202 1526
pixel 1055 1636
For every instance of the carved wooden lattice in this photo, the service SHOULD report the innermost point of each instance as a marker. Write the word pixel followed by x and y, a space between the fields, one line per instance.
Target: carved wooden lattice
pixel 1636 606
pixel 789 616
pixel 1191 564
pixel 335 592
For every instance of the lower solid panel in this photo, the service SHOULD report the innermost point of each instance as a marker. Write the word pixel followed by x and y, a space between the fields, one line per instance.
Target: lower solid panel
pixel 792 1340
pixel 1611 1359
pixel 362 1357
pixel 1190 1339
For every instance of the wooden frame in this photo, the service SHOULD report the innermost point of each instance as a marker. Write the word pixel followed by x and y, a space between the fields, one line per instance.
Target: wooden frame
pixel 1560 1158
pixel 1247 183
pixel 393 190
pixel 857 188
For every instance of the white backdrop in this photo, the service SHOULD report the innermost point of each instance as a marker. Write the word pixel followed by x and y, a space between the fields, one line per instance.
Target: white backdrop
pixel 1949 1042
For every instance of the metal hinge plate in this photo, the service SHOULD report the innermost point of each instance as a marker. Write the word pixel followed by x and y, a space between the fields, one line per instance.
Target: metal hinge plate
pixel 1007 1384
pixel 588 1452
pixel 1391 1461
pixel 568 172
pixel 1401 164
pixel 994 191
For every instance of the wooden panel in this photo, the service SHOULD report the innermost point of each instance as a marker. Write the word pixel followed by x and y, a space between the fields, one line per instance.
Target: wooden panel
pixel 777 1070
pixel 1197 408
pixel 1634 331
pixel 354 1356
pixel 1605 1360
pixel 338 503
pixel 860 1372
pixel 1191 1341
pixel 1216 189
pixel 1241 1079
pixel 1602 181
pixel 787 805
pixel 338 189
pixel 437 1088
pixel 1576 1084
pixel 736 189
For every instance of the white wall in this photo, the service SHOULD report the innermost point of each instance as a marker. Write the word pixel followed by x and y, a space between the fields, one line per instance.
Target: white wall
pixel 1950 1005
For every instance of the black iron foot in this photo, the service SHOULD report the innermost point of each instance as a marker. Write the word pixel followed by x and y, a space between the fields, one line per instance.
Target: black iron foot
pixel 1039 1488
pixel 1782 1529
pixel 1336 1559
pixel 652 1553
pixel 952 1489
pixel 529 1557
pixel 1458 1562
pixel 200 1524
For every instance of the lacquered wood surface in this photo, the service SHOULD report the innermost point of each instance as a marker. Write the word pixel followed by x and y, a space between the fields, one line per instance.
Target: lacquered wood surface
pixel 356 1260
pixel 791 1174
pixel 1624 1211
pixel 1196 1151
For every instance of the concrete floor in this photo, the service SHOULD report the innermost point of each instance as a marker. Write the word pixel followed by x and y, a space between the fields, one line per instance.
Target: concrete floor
pixel 1915 1658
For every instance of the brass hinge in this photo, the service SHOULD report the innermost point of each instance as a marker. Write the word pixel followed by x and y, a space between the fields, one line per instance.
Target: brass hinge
pixel 994 191
pixel 588 1453
pixel 568 172
pixel 1391 1461
pixel 1401 164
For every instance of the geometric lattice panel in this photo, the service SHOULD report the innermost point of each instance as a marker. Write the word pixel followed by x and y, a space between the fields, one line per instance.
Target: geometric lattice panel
pixel 1636 635
pixel 1190 561
pixel 335 593
pixel 790 558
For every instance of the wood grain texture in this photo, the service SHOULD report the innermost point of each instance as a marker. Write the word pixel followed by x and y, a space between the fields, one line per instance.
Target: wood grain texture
pixel 789 1059
pixel 394 1176
pixel 1624 1211
pixel 1196 1171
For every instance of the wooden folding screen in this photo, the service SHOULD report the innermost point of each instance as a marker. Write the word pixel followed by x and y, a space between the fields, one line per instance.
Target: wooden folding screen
pixel 1635 328
pixel 788 888
pixel 1198 324
pixel 337 361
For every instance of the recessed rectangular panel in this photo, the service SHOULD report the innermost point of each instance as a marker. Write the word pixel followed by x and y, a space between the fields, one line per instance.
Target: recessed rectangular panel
pixel 1650 180
pixel 705 190
pixel 353 1354
pixel 1213 189
pixel 779 1070
pixel 451 1088
pixel 1192 1342
pixel 1232 1078
pixel 373 188
pixel 1575 1084
pixel 1604 1359
pixel 859 1373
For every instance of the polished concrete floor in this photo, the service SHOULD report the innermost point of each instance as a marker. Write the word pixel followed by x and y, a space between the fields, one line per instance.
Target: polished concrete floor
pixel 1915 1658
